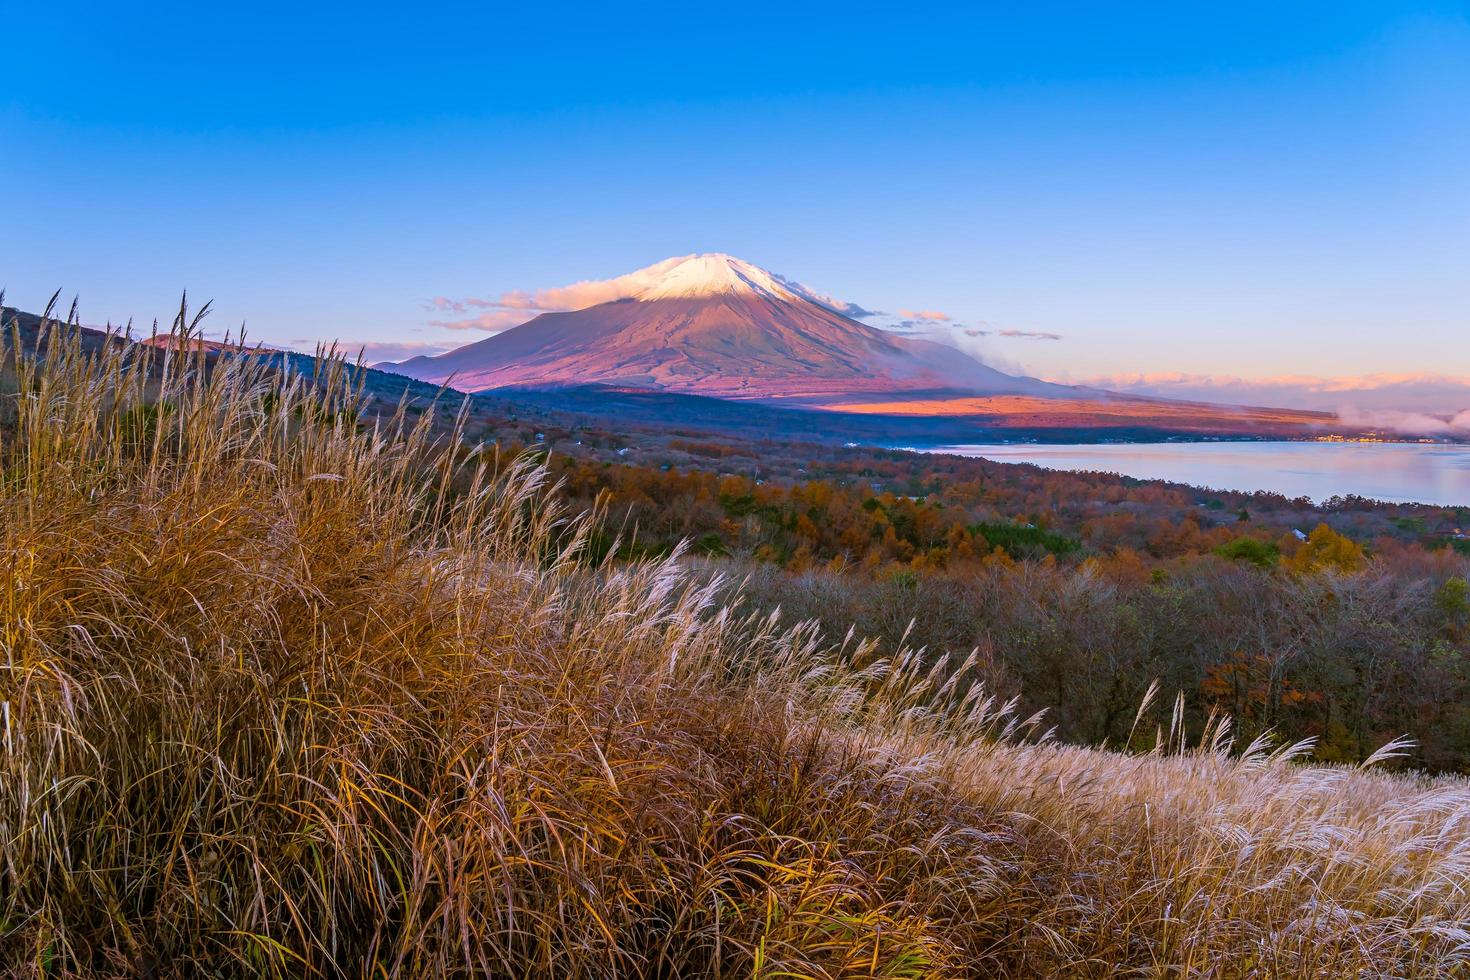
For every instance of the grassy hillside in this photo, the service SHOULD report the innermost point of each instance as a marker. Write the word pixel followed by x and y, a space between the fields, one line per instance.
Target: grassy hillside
pixel 286 693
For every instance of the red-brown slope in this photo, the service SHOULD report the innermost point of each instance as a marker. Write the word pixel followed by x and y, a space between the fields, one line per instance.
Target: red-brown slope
pixel 728 345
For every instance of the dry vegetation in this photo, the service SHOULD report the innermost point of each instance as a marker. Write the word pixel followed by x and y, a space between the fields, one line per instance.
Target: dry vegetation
pixel 283 696
pixel 1026 411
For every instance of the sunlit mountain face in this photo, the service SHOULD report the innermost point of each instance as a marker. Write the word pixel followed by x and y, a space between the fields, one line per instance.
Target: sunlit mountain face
pixel 718 326
pixel 715 325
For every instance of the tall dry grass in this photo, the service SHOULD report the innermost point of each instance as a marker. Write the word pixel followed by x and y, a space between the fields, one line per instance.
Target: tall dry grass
pixel 288 691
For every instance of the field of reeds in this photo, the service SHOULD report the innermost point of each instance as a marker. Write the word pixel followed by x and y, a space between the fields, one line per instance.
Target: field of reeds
pixel 286 690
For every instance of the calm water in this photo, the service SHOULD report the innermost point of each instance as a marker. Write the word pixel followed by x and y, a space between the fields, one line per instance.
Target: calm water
pixel 1384 471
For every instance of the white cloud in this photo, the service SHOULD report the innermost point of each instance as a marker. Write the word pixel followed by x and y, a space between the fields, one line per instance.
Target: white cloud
pixel 377 351
pixel 975 341
pixel 1030 334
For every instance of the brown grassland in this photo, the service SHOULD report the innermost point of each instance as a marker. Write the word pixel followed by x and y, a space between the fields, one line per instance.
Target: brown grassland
pixel 288 691
pixel 1030 412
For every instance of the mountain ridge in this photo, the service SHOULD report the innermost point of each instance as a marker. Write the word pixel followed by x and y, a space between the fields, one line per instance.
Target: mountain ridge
pixel 712 324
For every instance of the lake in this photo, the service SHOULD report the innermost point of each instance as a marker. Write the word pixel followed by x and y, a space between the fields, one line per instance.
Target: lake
pixel 1393 471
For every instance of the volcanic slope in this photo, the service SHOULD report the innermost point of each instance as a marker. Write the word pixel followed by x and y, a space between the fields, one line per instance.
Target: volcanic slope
pixel 719 326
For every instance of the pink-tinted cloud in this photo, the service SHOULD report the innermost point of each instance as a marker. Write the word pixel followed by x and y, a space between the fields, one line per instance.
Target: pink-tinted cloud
pixel 511 309
pixel 516 306
pixel 935 315
pixel 493 321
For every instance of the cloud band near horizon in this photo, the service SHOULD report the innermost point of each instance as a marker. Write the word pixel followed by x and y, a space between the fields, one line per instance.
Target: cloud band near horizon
pixel 1421 402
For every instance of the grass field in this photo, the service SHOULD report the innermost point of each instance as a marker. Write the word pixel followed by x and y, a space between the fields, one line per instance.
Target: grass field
pixel 288 691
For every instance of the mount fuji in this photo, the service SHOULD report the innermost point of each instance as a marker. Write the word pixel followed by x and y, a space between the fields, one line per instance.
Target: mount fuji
pixel 715 325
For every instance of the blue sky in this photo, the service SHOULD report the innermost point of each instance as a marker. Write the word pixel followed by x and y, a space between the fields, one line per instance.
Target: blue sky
pixel 1244 189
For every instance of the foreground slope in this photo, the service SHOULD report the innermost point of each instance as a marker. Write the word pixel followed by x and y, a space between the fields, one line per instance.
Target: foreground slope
pixel 286 697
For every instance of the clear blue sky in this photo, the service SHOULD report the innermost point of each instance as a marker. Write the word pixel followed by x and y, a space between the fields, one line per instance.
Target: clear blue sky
pixel 1248 188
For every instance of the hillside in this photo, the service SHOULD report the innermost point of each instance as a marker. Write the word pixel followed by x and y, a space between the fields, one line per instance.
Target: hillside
pixel 920 420
pixel 289 697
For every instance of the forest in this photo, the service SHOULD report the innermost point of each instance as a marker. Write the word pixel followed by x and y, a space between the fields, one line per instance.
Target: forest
pixel 1348 622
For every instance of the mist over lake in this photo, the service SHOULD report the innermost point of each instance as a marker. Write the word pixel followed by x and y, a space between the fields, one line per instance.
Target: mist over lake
pixel 1423 473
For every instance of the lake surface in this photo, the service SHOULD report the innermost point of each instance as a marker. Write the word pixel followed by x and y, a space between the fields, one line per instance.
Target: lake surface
pixel 1393 471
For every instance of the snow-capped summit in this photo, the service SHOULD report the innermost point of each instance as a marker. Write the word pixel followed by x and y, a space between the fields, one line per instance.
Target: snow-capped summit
pixel 709 274
pixel 713 324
